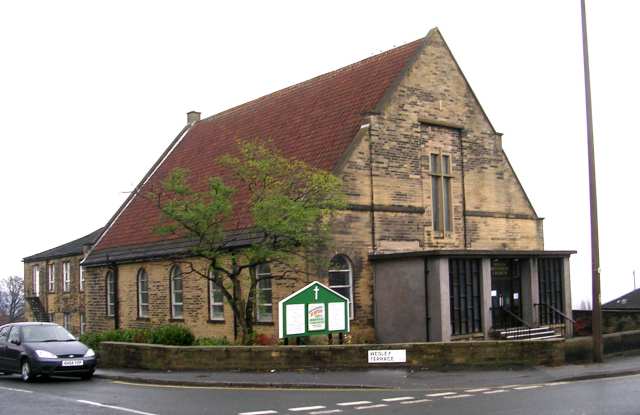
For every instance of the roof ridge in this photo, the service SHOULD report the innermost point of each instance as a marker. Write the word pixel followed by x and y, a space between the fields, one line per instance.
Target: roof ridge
pixel 301 84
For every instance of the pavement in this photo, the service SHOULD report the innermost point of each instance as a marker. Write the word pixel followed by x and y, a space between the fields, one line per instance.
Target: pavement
pixel 381 378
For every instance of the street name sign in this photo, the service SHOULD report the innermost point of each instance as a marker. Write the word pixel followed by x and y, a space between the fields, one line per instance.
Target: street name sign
pixel 387 356
pixel 313 310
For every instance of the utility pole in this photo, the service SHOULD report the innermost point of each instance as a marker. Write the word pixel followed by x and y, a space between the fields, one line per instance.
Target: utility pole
pixel 596 316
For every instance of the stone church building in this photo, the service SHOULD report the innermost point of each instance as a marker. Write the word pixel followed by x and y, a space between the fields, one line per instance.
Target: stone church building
pixel 439 241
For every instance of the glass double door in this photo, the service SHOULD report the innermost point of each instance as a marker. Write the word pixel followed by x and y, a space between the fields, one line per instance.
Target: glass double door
pixel 506 298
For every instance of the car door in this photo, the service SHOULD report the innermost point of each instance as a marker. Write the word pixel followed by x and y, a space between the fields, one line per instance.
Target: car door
pixel 13 350
pixel 4 334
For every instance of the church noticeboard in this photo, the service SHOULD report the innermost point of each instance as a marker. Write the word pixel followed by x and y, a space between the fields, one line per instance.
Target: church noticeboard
pixel 313 310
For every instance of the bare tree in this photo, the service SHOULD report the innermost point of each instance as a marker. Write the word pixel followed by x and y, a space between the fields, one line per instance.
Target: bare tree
pixel 12 298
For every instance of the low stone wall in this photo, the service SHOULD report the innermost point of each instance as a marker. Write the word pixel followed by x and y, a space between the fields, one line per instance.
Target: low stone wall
pixel 419 355
pixel 580 349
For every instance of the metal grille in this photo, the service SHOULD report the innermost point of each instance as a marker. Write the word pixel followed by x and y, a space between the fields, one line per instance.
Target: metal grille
pixel 550 280
pixel 464 291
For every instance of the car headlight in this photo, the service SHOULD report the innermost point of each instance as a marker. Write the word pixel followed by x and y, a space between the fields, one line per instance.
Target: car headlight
pixel 90 353
pixel 45 354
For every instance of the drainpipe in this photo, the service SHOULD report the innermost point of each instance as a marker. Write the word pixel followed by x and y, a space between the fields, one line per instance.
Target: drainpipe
pixel 426 297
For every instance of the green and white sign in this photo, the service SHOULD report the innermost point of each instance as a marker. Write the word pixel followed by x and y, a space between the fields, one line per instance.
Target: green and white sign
pixel 313 310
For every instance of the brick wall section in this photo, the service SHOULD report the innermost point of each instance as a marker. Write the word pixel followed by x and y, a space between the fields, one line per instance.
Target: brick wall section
pixel 419 355
pixel 96 303
pixel 59 301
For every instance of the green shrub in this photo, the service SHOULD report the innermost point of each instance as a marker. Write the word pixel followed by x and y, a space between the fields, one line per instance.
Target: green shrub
pixel 212 341
pixel 91 339
pixel 172 334
pixel 126 335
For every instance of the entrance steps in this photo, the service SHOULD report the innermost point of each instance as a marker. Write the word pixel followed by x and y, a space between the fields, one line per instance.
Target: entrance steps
pixel 525 333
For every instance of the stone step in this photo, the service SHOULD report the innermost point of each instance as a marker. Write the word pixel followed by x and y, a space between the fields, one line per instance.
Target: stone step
pixel 508 331
pixel 555 336
pixel 531 336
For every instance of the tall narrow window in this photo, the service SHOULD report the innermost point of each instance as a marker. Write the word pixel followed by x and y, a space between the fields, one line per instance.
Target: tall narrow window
pixel 264 298
pixel 551 289
pixel 52 278
pixel 35 280
pixel 341 278
pixel 143 293
pixel 216 298
pixel 83 324
pixel 176 292
pixel 111 294
pixel 465 295
pixel 66 276
pixel 441 193
pixel 81 278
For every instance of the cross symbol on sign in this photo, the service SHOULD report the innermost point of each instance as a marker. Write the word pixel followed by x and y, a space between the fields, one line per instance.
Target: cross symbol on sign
pixel 315 291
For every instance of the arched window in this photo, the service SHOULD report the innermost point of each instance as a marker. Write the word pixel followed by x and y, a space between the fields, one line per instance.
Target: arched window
pixel 216 298
pixel 264 299
pixel 176 292
pixel 143 293
pixel 111 294
pixel 341 278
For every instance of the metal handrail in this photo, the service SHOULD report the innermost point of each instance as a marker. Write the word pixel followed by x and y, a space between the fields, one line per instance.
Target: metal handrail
pixel 519 332
pixel 516 317
pixel 560 313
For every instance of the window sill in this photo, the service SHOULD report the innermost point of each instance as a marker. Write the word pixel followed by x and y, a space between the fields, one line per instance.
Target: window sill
pixel 216 321
pixel 264 323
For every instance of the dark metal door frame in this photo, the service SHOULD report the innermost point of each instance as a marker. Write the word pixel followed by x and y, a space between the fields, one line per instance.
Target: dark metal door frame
pixel 506 293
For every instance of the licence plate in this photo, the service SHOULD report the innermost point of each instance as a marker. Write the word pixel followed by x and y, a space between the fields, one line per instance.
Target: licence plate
pixel 72 363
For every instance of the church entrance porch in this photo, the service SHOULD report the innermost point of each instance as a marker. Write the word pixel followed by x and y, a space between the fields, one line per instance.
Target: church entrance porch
pixel 450 295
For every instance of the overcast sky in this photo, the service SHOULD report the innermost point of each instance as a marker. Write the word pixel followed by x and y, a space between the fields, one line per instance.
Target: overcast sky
pixel 92 92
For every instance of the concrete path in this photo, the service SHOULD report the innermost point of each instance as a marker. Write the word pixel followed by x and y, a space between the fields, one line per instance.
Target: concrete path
pixel 382 378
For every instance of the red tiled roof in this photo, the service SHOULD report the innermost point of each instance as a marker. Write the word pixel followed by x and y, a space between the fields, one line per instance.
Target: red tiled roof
pixel 314 121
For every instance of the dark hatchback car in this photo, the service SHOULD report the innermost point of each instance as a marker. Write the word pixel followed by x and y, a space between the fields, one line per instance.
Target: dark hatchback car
pixel 44 349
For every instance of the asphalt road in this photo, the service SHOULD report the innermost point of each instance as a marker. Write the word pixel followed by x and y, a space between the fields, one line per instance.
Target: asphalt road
pixel 69 396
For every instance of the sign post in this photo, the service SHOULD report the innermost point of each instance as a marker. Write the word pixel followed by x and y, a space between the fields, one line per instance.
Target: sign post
pixel 313 310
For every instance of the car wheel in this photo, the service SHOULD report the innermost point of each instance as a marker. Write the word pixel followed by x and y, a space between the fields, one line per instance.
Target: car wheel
pixel 25 371
pixel 87 376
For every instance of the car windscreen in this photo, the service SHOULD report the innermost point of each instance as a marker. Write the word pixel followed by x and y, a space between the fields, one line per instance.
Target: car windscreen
pixel 33 334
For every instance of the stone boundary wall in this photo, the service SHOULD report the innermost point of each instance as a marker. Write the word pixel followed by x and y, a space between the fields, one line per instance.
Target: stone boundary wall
pixel 579 349
pixel 258 358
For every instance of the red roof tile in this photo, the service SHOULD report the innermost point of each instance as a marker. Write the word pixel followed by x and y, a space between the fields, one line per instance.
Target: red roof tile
pixel 314 121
